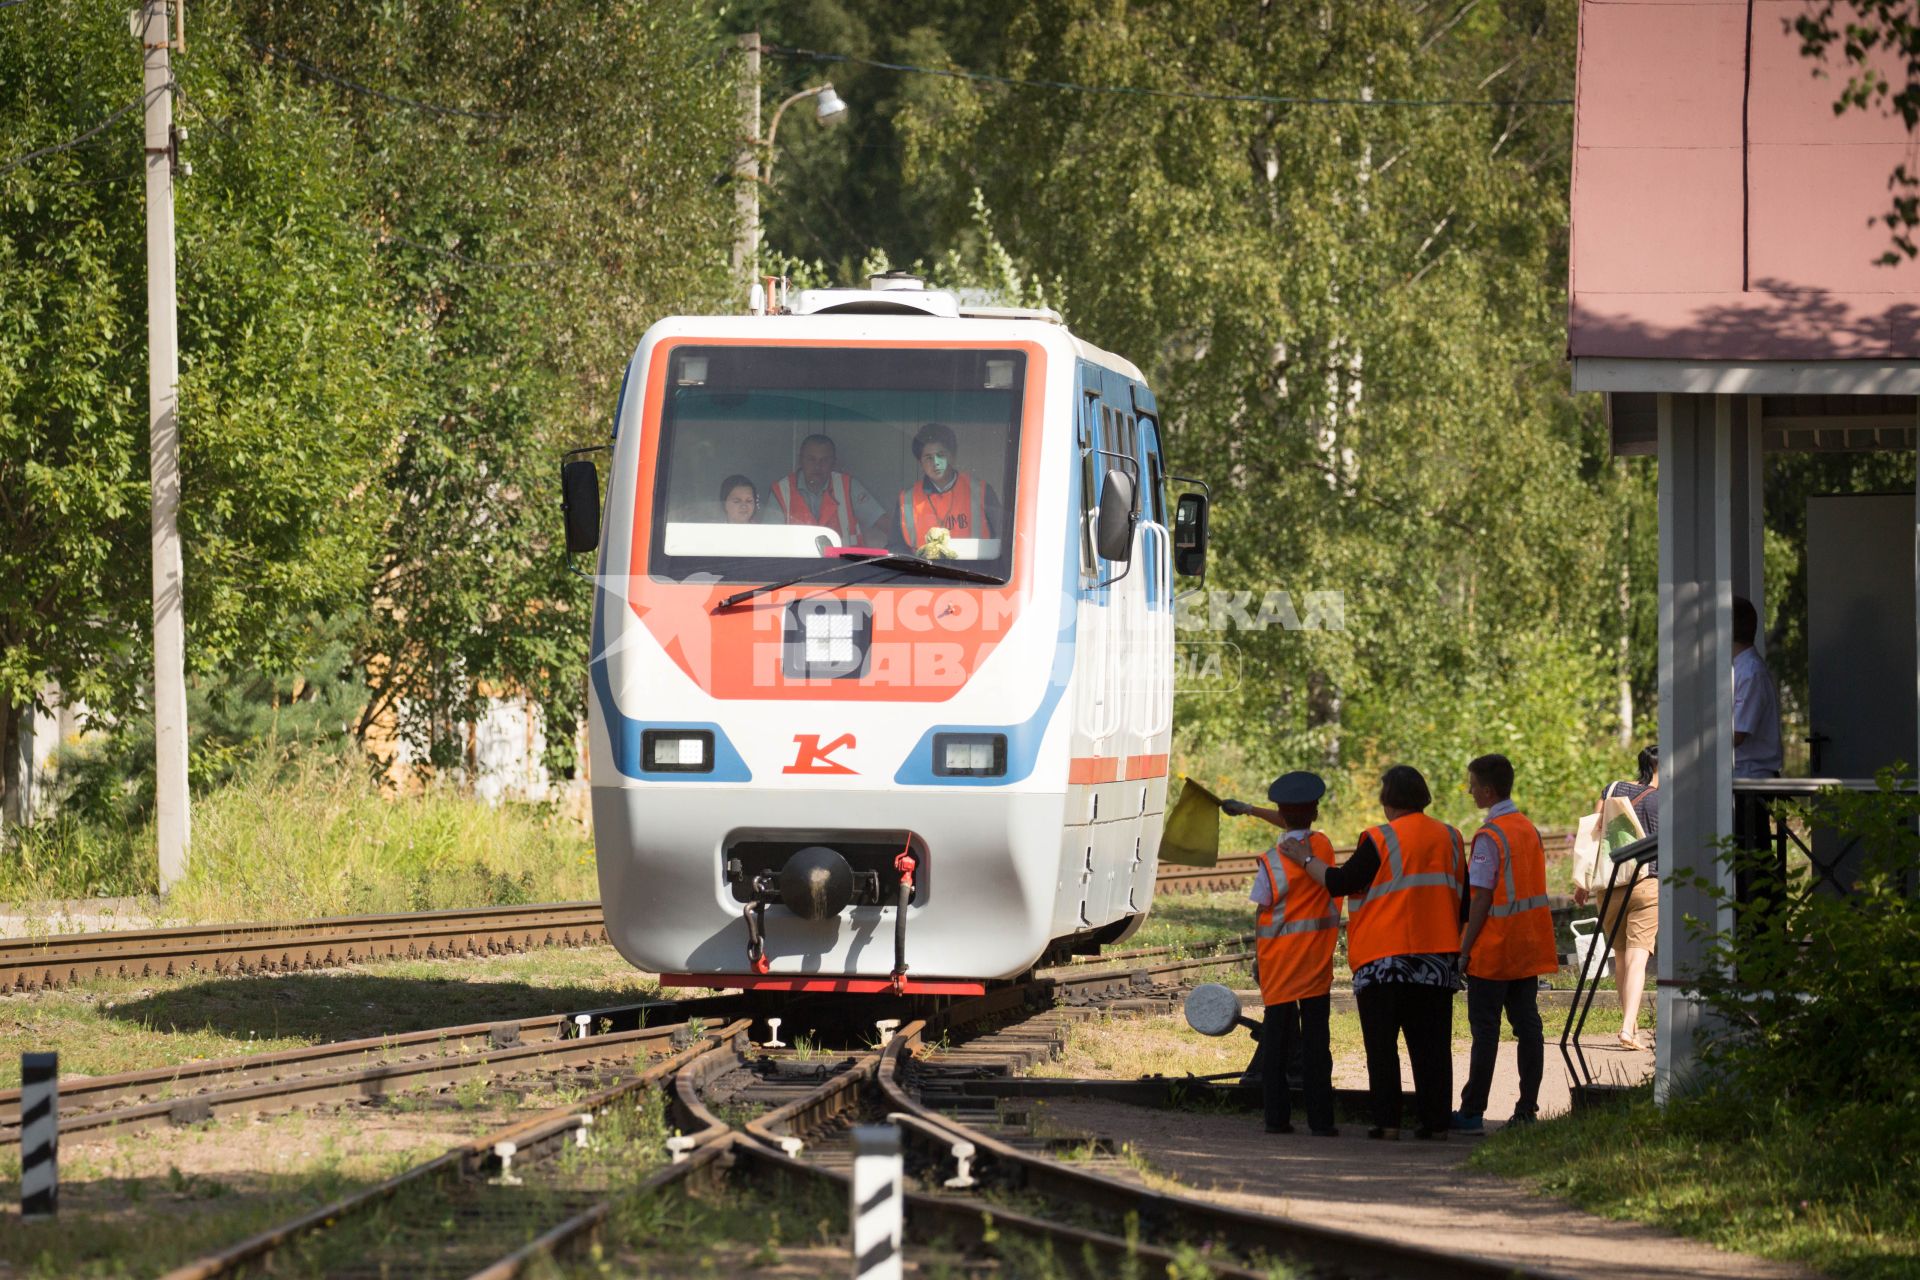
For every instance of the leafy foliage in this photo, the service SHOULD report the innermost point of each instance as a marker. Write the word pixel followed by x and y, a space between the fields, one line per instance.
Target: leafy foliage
pixel 1351 313
pixel 1866 31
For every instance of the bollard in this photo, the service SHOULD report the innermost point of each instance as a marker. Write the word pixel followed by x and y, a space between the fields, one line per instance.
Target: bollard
pixel 877 1202
pixel 773 1033
pixel 39 1134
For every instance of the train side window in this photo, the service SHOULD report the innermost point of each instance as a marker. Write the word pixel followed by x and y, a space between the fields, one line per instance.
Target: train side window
pixel 1089 486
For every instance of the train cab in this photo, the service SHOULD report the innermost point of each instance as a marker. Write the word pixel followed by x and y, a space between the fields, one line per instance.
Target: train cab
pixel 882 643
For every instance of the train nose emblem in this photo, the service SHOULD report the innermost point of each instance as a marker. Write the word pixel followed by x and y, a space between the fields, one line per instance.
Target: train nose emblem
pixel 816 883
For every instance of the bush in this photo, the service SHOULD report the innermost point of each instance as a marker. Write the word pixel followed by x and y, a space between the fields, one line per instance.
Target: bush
pixel 1818 994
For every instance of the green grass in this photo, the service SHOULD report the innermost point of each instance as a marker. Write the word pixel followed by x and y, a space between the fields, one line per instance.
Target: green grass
pixel 1842 1203
pixel 1193 920
pixel 320 840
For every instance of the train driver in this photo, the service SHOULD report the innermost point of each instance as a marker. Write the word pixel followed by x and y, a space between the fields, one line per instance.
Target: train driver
pixel 817 494
pixel 944 497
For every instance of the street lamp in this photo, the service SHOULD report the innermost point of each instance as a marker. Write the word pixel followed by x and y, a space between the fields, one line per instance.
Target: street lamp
pixel 829 109
pixel 754 167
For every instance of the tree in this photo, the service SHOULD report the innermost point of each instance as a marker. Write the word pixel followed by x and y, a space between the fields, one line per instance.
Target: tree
pixel 1871 30
pixel 1352 313
pixel 546 180
pixel 288 388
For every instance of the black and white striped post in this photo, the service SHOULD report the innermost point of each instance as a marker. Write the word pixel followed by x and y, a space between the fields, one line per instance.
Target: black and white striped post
pixel 877 1202
pixel 39 1134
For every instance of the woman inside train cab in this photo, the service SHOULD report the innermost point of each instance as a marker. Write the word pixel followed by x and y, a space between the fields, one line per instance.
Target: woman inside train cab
pixel 739 500
pixel 943 496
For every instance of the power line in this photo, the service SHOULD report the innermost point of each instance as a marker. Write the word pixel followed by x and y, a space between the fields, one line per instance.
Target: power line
pixel 78 139
pixel 1185 95
pixel 269 53
pixel 8 4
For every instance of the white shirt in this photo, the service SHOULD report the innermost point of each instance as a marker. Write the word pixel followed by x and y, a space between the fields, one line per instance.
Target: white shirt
pixel 1483 867
pixel 1262 891
pixel 1756 713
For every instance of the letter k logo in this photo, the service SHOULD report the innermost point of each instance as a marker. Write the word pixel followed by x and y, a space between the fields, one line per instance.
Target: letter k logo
pixel 810 757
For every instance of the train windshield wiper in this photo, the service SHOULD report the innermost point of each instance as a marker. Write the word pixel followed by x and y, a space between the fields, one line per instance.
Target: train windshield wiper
pixel 891 560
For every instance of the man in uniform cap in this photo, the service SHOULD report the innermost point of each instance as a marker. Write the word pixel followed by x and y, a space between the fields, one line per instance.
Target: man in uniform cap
pixel 1297 926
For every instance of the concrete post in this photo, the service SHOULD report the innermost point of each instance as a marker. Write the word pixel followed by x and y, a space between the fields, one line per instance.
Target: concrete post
pixel 878 1204
pixel 1696 705
pixel 171 823
pixel 746 165
pixel 39 1135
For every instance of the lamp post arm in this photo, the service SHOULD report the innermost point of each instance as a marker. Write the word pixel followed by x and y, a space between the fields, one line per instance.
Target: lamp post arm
pixel 773 128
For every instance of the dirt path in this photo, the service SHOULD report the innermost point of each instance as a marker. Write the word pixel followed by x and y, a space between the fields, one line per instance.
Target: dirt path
pixel 1414 1191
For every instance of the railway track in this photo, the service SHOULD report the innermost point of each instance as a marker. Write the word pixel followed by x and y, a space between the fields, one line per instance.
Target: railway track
pixel 980 1177
pixel 41 963
pixel 32 964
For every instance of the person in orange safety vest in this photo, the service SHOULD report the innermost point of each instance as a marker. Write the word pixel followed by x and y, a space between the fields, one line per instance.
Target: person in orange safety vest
pixel 1506 945
pixel 1403 945
pixel 944 497
pixel 1296 929
pixel 817 494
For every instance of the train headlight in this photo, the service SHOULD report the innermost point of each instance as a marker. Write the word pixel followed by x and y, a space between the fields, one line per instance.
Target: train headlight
pixel 969 755
pixel 829 639
pixel 677 750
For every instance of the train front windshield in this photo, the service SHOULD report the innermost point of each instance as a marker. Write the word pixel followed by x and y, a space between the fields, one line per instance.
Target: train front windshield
pixel 772 456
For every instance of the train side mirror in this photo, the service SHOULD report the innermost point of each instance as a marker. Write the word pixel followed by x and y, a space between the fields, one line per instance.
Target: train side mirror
pixel 1113 533
pixel 1190 535
pixel 580 504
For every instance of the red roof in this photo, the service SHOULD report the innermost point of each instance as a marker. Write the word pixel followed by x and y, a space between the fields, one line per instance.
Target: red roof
pixel 1721 210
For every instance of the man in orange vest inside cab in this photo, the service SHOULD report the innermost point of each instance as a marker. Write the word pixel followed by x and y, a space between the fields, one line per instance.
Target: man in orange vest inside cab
pixel 1506 945
pixel 1296 929
pixel 817 494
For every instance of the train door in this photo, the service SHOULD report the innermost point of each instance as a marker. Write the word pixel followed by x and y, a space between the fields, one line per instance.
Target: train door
pixel 1151 714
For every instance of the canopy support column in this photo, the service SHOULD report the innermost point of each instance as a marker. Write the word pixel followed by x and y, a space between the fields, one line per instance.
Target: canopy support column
pixel 1697 533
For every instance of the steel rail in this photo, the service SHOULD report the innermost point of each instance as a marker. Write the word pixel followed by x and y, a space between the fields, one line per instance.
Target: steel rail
pixel 30 964
pixel 91 1093
pixel 1327 1250
pixel 375 1081
pixel 456 1161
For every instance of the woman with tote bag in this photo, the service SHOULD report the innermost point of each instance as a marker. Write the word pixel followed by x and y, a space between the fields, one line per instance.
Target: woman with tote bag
pixel 1627 811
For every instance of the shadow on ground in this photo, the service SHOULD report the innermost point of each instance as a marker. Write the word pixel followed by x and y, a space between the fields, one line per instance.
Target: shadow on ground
pixel 350 1005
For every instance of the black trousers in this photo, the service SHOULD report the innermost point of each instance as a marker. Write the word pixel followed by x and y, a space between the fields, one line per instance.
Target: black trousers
pixel 1302 1027
pixel 1487 999
pixel 1424 1015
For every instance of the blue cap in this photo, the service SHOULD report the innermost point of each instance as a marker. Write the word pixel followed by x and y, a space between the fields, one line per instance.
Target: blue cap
pixel 1299 787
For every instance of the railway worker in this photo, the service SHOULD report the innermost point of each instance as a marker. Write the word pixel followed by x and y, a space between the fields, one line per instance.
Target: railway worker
pixel 1506 945
pixel 739 500
pixel 1297 926
pixel 944 497
pixel 815 493
pixel 1403 945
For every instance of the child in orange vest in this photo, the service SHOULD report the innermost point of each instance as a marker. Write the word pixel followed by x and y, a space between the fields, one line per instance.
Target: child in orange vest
pixel 1297 926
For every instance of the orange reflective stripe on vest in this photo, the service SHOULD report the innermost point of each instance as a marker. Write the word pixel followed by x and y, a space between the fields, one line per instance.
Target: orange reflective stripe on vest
pixel 836 512
pixel 957 511
pixel 1296 933
pixel 1517 939
pixel 1413 905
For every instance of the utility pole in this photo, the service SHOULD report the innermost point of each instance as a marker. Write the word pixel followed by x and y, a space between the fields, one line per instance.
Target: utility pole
pixel 163 432
pixel 746 166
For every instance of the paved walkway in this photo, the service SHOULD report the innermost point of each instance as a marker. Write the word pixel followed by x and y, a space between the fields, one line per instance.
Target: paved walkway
pixel 1414 1191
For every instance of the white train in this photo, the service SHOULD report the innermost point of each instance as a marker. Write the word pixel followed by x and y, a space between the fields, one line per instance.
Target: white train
pixel 883 644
